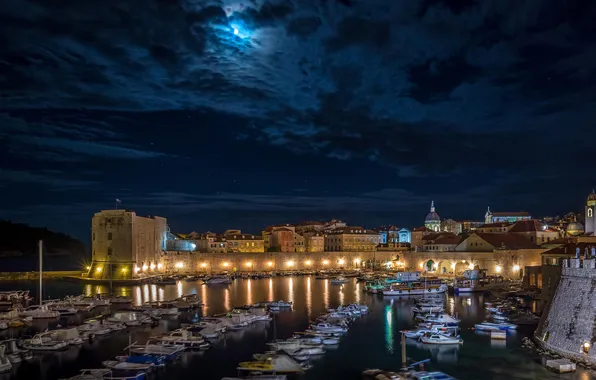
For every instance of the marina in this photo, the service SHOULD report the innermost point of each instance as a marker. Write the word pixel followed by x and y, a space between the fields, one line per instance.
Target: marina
pixel 327 348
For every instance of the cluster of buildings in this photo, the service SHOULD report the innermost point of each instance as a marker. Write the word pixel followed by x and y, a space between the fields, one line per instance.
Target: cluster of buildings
pixel 130 244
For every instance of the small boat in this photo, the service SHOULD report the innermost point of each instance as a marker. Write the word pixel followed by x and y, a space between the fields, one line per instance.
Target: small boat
pixel 326 327
pixel 126 366
pixel 168 351
pixel 214 280
pixel 339 280
pixel 488 326
pixel 39 312
pixel 440 339
pixel 183 337
pixel 43 342
pixel 13 352
pixel 130 318
pixel 5 364
pixel 439 318
pixel 70 336
pixel 108 374
pixel 156 360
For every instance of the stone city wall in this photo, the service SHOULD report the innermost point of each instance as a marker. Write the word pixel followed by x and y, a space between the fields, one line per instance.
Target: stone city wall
pixel 568 325
pixel 268 261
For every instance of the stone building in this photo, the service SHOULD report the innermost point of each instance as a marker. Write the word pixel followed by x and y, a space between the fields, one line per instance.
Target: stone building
pixel 282 240
pixel 309 226
pixel 299 243
pixel 534 230
pixel 441 242
pixel 212 244
pixel 590 224
pixel 497 217
pixel 239 242
pixel 314 242
pixel 124 244
pixel 453 226
pixel 352 239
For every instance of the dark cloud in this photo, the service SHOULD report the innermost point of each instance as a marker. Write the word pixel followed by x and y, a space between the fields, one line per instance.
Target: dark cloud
pixel 429 96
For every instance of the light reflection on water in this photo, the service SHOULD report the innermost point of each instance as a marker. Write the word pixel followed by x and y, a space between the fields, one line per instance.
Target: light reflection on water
pixel 291 290
pixel 373 341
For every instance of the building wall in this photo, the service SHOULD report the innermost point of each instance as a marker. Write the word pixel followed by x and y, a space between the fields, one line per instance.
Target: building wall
pixel 283 240
pixel 218 262
pixel 314 243
pixel 474 243
pixel 122 241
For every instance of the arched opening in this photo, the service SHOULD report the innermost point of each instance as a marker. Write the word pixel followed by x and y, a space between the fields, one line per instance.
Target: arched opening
pixel 430 265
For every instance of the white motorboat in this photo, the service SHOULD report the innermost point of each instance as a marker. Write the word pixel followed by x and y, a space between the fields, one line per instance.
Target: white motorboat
pixel 156 349
pixel 130 318
pixel 339 280
pixel 313 339
pixel 439 318
pixel 39 312
pixel 5 364
pixel 70 336
pixel 213 280
pixel 428 308
pixel 488 326
pixel 43 342
pixel 440 339
pixel 326 327
pixel 95 327
pixel 183 337
pixel 304 352
pixel 13 352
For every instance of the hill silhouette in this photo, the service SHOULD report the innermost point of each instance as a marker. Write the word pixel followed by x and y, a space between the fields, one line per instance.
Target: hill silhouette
pixel 18 240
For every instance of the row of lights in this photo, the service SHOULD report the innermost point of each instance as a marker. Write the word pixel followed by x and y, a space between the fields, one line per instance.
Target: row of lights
pixel 498 268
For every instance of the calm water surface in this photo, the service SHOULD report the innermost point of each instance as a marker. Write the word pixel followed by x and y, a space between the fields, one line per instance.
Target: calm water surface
pixel 372 342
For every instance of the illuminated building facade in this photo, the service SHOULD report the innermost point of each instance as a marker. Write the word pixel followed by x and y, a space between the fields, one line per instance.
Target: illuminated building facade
pixel 352 239
pixel 432 220
pixel 124 244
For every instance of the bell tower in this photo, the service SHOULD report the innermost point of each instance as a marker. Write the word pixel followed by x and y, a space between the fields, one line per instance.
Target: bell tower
pixel 488 217
pixel 590 225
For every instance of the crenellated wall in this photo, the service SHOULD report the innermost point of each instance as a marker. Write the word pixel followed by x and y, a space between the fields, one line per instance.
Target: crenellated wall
pixel 264 261
pixel 568 325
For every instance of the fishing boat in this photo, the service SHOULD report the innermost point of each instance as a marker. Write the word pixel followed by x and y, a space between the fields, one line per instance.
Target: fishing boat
pixel 339 280
pixel 488 326
pixel 5 364
pixel 126 366
pixel 440 339
pixel 43 342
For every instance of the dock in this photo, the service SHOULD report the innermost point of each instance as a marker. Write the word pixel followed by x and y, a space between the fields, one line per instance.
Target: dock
pixel 559 365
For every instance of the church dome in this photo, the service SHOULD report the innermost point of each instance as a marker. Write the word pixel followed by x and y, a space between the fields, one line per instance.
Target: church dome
pixel 574 229
pixel 592 196
pixel 432 216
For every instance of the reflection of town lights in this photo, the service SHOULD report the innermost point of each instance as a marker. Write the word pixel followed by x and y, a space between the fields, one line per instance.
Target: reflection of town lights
pixel 203 265
pixel 159 266
pixel 226 264
pixel 124 270
pixel 248 264
pixel 145 267
pixel 99 269
pixel 325 262
pixel 307 262
pixel 498 269
pixel 179 265
pixel 290 263
pixel 270 263
pixel 341 261
pixel 152 266
pixel 515 268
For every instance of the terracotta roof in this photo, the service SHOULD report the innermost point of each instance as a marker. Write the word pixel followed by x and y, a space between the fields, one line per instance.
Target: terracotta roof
pixel 506 240
pixel 493 225
pixel 526 226
pixel 437 235
pixel 455 240
pixel 569 249
pixel 283 229
pixel 518 213
pixel 420 229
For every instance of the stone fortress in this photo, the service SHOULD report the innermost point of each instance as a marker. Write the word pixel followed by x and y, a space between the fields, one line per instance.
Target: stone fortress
pixel 568 324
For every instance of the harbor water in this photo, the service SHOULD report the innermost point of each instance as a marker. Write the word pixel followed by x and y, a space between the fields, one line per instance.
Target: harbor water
pixel 372 342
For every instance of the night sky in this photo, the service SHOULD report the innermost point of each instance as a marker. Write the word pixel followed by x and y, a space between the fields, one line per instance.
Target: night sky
pixel 239 114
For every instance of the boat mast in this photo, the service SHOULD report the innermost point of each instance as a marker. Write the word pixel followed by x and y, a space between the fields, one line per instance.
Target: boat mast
pixel 40 272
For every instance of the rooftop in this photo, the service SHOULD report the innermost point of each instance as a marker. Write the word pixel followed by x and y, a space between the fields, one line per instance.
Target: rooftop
pixel 506 241
pixel 517 213
pixel 526 226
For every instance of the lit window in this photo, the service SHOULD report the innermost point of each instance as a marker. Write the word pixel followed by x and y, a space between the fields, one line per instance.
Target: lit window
pixel 590 212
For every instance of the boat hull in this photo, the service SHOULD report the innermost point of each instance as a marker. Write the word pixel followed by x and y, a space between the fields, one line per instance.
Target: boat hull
pixel 414 292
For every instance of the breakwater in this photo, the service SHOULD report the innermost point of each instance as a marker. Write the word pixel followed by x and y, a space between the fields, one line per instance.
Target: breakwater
pixel 568 325
pixel 25 276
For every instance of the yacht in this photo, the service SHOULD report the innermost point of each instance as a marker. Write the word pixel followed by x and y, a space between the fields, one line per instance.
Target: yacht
pixel 44 342
pixel 440 339
pixel 39 312
pixel 5 364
